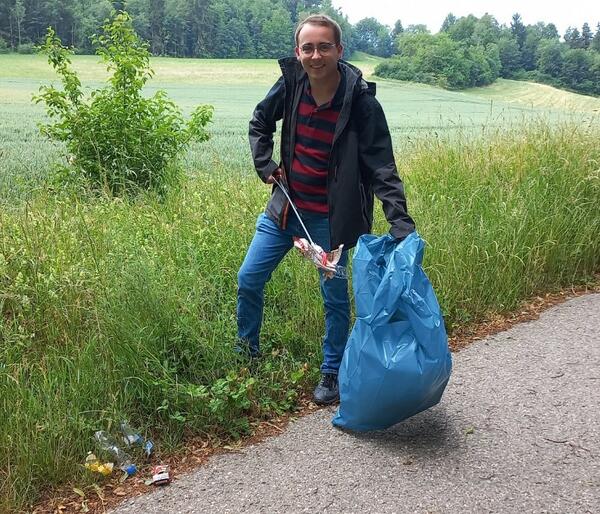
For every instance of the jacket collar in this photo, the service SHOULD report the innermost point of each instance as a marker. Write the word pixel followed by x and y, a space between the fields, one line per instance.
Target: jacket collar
pixel 293 74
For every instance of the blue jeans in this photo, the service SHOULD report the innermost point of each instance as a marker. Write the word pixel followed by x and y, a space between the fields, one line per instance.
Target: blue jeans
pixel 267 249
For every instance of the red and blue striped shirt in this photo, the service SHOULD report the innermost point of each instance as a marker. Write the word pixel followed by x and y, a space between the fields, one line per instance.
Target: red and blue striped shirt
pixel 314 137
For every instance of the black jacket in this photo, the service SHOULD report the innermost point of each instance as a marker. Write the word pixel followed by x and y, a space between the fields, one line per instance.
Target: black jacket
pixel 361 161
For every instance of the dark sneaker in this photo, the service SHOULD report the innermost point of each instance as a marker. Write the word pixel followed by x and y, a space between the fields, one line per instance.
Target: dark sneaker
pixel 327 391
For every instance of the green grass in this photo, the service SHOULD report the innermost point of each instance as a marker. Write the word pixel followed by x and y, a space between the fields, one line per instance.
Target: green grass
pixel 115 309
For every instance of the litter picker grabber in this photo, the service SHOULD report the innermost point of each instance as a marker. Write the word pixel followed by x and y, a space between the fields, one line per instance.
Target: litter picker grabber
pixel 326 261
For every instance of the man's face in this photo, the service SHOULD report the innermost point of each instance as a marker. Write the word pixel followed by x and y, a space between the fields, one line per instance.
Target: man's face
pixel 317 52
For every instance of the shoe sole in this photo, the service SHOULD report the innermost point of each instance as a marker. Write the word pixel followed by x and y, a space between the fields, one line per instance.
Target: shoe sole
pixel 331 402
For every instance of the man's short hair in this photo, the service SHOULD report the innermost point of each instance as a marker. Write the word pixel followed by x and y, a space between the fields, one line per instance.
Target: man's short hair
pixel 324 21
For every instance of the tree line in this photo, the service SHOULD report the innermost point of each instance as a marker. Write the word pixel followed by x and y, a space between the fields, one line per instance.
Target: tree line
pixel 466 52
pixel 471 51
pixel 177 28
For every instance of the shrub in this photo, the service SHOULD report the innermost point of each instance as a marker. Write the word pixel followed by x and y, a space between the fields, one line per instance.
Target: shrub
pixel 4 48
pixel 117 140
pixel 438 60
pixel 26 48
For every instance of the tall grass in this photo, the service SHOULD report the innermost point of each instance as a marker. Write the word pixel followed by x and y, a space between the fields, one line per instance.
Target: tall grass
pixel 114 309
pixel 507 215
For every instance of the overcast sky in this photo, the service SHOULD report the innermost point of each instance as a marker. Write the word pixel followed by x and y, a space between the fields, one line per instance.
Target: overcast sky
pixel 432 12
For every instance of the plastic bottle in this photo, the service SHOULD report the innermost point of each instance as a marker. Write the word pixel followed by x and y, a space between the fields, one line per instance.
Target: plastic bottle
pixel 148 447
pixel 130 436
pixel 109 444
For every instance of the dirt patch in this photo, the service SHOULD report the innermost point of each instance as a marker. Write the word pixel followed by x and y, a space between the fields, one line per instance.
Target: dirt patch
pixel 529 310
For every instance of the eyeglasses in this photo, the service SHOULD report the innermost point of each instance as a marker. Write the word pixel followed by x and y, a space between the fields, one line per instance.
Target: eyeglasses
pixel 323 48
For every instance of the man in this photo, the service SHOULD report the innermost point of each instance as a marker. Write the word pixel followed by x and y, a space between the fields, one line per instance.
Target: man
pixel 336 153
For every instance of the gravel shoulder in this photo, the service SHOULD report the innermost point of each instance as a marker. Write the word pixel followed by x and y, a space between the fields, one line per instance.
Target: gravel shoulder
pixel 518 430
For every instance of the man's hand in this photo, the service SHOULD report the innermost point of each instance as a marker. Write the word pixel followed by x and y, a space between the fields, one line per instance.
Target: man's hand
pixel 276 175
pixel 399 239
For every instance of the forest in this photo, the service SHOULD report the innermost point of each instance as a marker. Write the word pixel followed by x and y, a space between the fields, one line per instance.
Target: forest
pixel 465 52
pixel 471 52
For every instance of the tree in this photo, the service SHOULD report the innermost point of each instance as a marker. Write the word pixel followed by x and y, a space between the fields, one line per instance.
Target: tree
pixel 417 29
pixel 595 74
pixel 486 31
pixel 448 23
pixel 18 13
pixel 397 30
pixel 88 16
pixel 438 59
pixel 463 28
pixel 550 32
pixel 573 38
pixel 277 35
pixel 292 7
pixel 517 30
pixel 576 68
pixel 155 24
pixel 596 41
pixel 510 57
pixel 492 55
pixel 480 71
pixel 550 58
pixel 586 36
pixel 229 36
pixel 530 47
pixel 412 45
pixel 139 10
pixel 178 27
pixel 372 37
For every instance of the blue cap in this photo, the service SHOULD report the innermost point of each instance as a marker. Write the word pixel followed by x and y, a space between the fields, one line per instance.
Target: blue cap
pixel 130 469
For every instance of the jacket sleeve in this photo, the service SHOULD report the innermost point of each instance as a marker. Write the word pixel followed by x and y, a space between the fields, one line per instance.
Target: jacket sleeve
pixel 263 126
pixel 377 161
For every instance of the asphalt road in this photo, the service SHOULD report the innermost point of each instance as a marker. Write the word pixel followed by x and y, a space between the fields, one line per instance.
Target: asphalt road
pixel 518 430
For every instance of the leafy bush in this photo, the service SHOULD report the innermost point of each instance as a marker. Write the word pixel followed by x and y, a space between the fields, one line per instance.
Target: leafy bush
pixel 4 48
pixel 398 68
pixel 439 60
pixel 117 141
pixel 26 48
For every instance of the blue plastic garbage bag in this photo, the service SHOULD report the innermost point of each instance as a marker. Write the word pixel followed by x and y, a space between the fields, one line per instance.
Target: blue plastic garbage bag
pixel 396 361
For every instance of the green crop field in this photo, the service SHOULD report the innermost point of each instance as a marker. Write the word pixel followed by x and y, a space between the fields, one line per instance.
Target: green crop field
pixel 114 309
pixel 235 86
